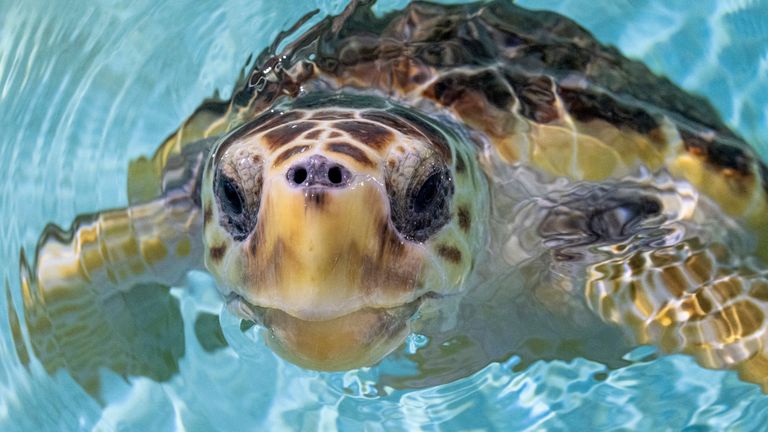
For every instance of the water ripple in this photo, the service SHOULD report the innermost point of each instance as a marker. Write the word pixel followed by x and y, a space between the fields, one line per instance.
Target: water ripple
pixel 85 88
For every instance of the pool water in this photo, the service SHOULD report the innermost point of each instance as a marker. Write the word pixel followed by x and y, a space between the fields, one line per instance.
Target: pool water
pixel 85 88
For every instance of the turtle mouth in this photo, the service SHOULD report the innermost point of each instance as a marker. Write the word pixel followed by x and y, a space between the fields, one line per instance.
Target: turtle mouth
pixel 360 338
pixel 248 311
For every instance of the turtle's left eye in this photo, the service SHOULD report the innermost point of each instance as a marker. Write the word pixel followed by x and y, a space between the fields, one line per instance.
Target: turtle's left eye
pixel 230 196
pixel 420 199
pixel 429 192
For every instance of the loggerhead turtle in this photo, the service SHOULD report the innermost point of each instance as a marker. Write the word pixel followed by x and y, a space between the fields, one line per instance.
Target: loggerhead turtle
pixel 491 177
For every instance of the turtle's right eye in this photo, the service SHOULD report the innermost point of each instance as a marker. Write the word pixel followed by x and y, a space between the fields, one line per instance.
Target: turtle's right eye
pixel 237 216
pixel 230 196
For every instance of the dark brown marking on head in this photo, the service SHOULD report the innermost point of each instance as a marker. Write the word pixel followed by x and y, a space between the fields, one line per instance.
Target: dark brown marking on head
pixel 465 219
pixel 351 151
pixel 370 134
pixel 315 198
pixel 584 106
pixel 450 253
pixel 392 121
pixel 431 133
pixel 335 134
pixel 390 245
pixel 285 134
pixel 332 115
pixel 217 252
pixel 537 100
pixel 268 120
pixel 284 156
pixel 253 242
pixel 313 134
pixel 207 213
pixel 717 154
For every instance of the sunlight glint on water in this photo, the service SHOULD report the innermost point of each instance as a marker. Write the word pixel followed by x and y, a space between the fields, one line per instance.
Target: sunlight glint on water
pixel 85 88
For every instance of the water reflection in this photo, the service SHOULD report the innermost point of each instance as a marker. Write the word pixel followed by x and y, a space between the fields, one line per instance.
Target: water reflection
pixel 83 96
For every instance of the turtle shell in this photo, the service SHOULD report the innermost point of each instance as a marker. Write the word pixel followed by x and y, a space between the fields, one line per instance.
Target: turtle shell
pixel 537 87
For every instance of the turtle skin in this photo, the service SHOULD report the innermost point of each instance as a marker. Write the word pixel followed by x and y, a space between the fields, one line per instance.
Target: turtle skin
pixel 591 206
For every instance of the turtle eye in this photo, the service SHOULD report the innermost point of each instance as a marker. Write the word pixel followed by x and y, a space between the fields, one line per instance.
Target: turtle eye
pixel 422 207
pixel 236 216
pixel 427 194
pixel 231 198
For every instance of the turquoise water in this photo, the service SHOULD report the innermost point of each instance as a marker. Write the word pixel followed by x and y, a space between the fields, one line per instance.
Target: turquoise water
pixel 85 88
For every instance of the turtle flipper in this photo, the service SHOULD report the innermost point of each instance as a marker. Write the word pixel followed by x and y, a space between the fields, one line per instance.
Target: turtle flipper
pixel 651 256
pixel 690 298
pixel 147 175
pixel 97 295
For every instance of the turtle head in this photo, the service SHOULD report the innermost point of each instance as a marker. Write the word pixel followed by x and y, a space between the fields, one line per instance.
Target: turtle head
pixel 331 221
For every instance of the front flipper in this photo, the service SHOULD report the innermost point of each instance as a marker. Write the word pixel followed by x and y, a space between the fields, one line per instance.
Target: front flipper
pixel 97 294
pixel 693 298
pixel 668 265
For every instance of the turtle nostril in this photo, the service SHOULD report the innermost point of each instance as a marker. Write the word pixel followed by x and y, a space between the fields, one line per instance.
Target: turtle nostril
pixel 334 175
pixel 299 175
pixel 318 171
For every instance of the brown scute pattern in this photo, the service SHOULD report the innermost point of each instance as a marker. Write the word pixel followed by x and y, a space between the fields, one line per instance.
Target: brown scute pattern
pixel 585 106
pixel 450 88
pixel 480 57
pixel 351 151
pixel 285 134
pixel 313 134
pixel 284 156
pixel 537 101
pixel 718 154
pixel 496 34
pixel 368 133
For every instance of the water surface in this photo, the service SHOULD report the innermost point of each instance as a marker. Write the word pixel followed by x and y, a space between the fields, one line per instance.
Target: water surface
pixel 85 87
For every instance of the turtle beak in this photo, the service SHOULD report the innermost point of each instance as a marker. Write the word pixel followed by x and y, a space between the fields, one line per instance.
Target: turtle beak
pixel 358 339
